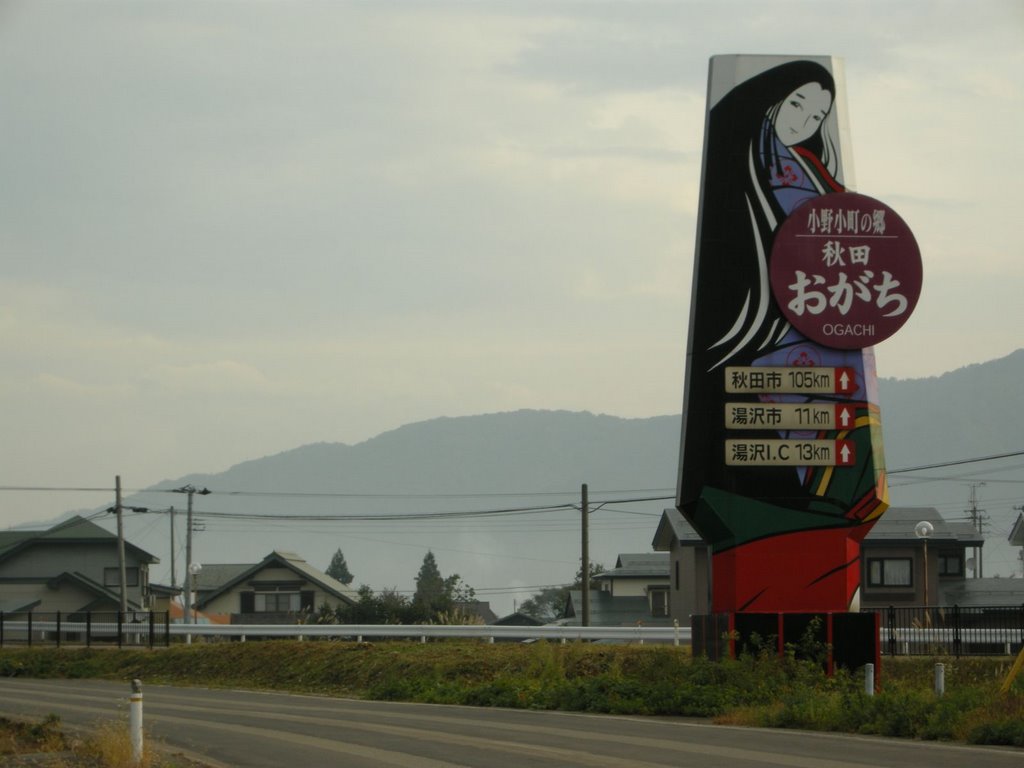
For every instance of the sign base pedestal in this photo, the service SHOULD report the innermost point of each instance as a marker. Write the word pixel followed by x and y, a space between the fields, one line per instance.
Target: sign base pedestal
pixel 848 640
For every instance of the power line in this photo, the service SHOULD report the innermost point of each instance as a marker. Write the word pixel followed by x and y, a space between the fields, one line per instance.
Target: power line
pixel 957 462
pixel 395 495
pixel 395 516
pixel 59 489
pixel 467 495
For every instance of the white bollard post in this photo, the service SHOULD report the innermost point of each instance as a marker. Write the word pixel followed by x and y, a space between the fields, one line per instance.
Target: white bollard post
pixel 135 721
pixel 675 624
pixel 869 679
pixel 940 679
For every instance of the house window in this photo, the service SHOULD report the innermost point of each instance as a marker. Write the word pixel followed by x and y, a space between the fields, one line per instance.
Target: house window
pixel 276 602
pixel 112 577
pixel 951 565
pixel 890 572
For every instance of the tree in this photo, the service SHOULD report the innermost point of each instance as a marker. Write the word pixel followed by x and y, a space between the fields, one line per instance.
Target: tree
pixel 435 594
pixel 546 605
pixel 595 568
pixel 338 569
pixel 429 598
pixel 549 604
pixel 387 607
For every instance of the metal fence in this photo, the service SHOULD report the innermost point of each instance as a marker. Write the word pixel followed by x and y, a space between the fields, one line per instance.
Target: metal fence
pixel 952 631
pixel 944 630
pixel 88 628
pixel 152 629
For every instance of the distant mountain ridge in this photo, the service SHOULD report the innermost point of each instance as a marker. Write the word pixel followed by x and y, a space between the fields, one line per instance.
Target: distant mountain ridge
pixel 497 452
pixel 531 458
pixel 972 411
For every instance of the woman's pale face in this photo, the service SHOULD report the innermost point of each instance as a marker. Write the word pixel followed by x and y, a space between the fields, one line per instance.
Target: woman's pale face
pixel 802 113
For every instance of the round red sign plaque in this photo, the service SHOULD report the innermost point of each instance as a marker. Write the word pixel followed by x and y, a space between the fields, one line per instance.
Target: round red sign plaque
pixel 845 270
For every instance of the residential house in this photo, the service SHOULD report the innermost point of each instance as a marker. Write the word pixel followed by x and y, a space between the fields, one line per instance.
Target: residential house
pixel 645 574
pixel 518 619
pixel 689 566
pixel 1016 538
pixel 72 567
pixel 609 611
pixel 276 590
pixel 164 598
pixel 896 571
pixel 894 567
pixel 634 592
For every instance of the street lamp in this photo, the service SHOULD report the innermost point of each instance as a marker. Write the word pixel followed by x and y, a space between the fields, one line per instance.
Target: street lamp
pixel 923 530
pixel 193 571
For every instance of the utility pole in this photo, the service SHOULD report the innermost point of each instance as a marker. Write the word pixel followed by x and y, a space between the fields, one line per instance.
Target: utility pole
pixel 118 510
pixel 174 580
pixel 585 554
pixel 190 490
pixel 1020 555
pixel 977 520
pixel 122 568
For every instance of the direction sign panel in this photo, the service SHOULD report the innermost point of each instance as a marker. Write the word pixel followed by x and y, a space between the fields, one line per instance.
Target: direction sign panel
pixel 790 453
pixel 798 416
pixel 808 380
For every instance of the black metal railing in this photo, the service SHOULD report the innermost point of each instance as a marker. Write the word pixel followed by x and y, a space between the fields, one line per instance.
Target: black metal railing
pixel 952 630
pixel 88 628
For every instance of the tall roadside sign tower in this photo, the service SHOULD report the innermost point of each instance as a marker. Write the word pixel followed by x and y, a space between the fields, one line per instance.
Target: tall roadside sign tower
pixel 795 279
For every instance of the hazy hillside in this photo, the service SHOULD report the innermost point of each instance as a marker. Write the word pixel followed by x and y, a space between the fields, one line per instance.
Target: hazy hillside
pixel 973 411
pixel 539 458
pixel 502 452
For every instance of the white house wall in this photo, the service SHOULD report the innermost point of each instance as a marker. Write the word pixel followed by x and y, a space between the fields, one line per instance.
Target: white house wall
pixel 231 601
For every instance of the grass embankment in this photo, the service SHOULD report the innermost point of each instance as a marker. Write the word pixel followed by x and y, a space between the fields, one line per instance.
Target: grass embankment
pixel 644 680
pixel 46 743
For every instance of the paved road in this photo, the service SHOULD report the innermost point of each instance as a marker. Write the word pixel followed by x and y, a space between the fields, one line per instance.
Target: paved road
pixel 238 728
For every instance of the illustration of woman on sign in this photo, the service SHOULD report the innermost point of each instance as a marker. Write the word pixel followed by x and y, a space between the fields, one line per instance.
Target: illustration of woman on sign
pixel 771 146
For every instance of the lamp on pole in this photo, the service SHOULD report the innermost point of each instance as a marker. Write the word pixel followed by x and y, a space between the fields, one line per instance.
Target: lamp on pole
pixel 191 491
pixel 193 571
pixel 923 530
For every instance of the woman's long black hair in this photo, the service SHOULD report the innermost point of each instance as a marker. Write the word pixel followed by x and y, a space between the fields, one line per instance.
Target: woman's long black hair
pixel 733 318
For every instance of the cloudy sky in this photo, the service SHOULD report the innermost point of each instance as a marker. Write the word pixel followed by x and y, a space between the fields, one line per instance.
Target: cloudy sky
pixel 231 228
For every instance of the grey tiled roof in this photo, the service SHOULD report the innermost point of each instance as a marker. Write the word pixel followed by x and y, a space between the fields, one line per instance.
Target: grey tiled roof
pixel 1017 533
pixel 650 564
pixel 897 524
pixel 75 530
pixel 222 577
